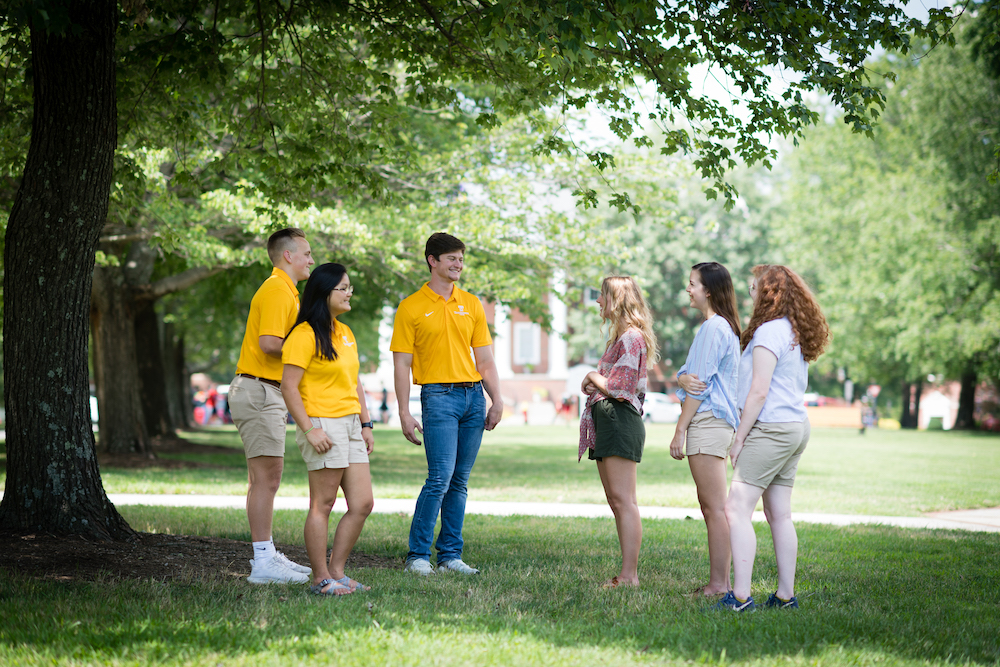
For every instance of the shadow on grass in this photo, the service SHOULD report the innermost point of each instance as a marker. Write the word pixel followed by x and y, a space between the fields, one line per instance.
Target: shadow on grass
pixel 868 594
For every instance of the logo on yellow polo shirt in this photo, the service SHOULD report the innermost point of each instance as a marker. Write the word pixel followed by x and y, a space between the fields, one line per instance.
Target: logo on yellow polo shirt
pixel 348 343
pixel 461 311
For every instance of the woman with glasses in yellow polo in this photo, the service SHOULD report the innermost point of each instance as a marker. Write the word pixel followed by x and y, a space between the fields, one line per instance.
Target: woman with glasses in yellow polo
pixel 323 392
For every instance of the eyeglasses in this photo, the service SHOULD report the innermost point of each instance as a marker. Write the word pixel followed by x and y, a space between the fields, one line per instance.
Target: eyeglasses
pixel 349 290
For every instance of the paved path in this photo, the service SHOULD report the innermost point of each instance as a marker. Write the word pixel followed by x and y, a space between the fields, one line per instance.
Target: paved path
pixel 986 520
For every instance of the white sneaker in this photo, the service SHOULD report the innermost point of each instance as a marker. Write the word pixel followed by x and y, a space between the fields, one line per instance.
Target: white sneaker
pixel 270 571
pixel 456 565
pixel 419 566
pixel 284 560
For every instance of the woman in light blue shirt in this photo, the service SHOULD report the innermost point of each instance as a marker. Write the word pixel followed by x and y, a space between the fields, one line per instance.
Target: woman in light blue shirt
pixel 786 331
pixel 708 418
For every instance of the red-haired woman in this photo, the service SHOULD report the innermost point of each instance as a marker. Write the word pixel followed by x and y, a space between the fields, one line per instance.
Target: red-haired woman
pixel 786 331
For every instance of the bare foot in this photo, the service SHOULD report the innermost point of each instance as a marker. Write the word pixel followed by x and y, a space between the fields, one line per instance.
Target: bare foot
pixel 620 583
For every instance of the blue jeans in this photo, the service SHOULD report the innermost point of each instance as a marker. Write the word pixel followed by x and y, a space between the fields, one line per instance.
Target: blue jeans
pixel 453 422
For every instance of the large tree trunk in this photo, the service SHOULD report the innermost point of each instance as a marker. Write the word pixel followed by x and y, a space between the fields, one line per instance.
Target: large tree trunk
pixel 112 320
pixel 133 402
pixel 53 481
pixel 911 404
pixel 152 378
pixel 965 419
pixel 178 379
pixel 906 420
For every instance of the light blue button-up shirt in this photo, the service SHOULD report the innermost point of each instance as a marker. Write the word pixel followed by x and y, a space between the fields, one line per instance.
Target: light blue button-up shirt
pixel 714 357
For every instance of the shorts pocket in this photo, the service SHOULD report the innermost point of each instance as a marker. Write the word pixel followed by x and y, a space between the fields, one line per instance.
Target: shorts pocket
pixel 604 411
pixel 256 396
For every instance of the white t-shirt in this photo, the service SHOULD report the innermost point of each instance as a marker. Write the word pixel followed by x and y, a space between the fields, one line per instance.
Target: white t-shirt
pixel 786 395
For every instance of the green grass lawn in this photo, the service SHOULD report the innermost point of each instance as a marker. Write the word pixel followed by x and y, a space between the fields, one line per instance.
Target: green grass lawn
pixel 871 596
pixel 902 473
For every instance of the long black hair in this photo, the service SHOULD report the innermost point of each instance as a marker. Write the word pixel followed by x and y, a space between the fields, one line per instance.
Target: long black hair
pixel 314 309
pixel 721 294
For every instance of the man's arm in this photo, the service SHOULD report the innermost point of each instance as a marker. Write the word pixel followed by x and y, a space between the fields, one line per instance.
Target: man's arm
pixel 271 345
pixel 401 363
pixel 491 381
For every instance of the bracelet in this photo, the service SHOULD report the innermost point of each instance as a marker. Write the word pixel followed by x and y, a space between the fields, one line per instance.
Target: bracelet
pixel 308 432
pixel 367 424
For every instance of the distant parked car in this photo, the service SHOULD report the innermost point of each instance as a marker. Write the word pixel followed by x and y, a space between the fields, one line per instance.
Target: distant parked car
pixel 658 408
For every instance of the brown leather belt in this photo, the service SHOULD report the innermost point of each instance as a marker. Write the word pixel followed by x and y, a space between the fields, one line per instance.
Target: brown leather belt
pixel 273 383
pixel 453 385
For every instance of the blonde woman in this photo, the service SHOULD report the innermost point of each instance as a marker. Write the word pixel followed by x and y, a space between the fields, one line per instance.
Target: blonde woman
pixel 611 428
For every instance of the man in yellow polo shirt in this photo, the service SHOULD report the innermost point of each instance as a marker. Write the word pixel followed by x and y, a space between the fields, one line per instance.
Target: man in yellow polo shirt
pixel 256 404
pixel 441 335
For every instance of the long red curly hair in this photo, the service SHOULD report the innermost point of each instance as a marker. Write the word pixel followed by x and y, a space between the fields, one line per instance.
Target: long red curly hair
pixel 782 293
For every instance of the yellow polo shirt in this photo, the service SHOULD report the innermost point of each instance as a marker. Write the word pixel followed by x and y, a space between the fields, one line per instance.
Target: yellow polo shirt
pixel 440 335
pixel 273 310
pixel 328 388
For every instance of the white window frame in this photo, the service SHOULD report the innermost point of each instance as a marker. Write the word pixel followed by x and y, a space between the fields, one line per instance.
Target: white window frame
pixel 533 331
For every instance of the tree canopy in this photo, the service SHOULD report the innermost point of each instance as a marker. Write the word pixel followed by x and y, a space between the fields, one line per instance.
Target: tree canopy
pixel 304 103
pixel 901 233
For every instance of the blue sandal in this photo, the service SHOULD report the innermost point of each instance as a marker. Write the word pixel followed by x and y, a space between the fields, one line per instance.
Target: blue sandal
pixel 355 586
pixel 337 588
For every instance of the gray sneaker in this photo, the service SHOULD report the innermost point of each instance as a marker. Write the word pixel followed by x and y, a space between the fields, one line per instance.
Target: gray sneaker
pixel 284 560
pixel 270 571
pixel 419 566
pixel 456 565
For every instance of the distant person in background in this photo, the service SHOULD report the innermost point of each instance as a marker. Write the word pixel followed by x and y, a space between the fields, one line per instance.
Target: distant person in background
pixel 256 404
pixel 211 403
pixel 383 408
pixel 787 330
pixel 323 392
pixel 708 418
pixel 611 428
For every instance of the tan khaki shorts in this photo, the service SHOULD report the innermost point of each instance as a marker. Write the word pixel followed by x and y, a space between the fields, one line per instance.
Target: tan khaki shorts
pixel 710 435
pixel 771 454
pixel 260 415
pixel 348 445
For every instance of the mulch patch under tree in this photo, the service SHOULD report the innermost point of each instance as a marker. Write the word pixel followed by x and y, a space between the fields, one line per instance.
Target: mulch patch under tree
pixel 152 556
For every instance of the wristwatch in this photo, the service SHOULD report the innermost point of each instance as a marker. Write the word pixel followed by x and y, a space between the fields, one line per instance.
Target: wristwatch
pixel 367 424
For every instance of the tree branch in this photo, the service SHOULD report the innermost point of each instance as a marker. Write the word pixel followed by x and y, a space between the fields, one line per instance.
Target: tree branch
pixel 176 282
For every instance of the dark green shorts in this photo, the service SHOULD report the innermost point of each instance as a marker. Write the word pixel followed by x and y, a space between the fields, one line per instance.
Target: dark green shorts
pixel 620 431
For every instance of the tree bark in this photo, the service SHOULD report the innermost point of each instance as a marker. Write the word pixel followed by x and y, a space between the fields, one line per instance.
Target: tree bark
pixel 152 377
pixel 178 382
pixel 112 320
pixel 133 404
pixel 905 419
pixel 965 419
pixel 53 480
